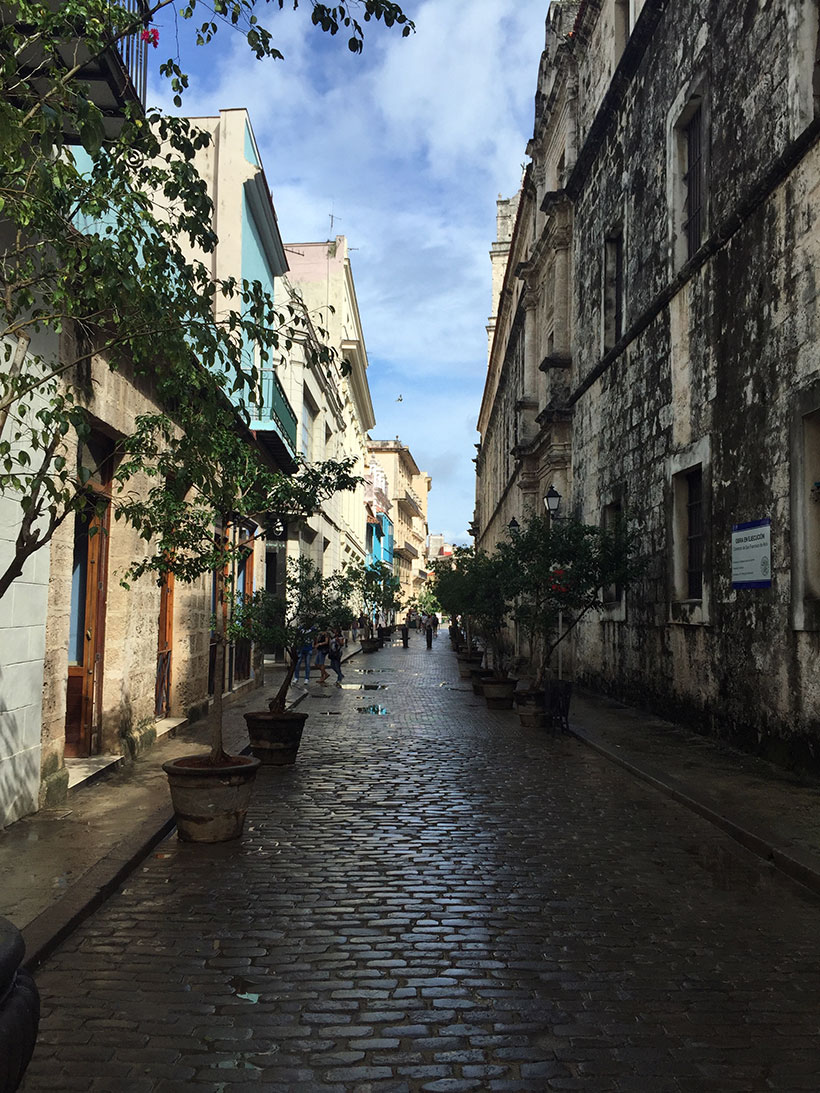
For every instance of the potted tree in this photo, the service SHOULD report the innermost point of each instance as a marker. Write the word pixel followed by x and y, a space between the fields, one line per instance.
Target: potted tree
pixel 311 603
pixel 206 480
pixel 559 571
pixel 490 588
pixel 452 586
pixel 372 590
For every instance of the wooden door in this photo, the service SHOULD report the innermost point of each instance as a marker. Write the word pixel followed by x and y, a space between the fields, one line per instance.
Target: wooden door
pixel 87 631
pixel 162 697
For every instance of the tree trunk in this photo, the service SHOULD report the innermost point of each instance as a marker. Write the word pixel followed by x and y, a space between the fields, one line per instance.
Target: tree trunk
pixel 217 746
pixel 279 701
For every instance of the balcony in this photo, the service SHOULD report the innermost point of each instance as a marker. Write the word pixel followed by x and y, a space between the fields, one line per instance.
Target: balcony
pixel 117 76
pixel 273 413
pixel 407 551
pixel 410 504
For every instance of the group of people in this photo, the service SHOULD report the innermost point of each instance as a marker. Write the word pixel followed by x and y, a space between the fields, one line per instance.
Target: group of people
pixel 329 645
pixel 426 622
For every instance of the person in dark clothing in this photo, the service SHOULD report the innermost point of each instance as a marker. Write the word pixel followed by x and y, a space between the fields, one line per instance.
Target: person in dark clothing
pixel 337 644
pixel 429 632
pixel 405 633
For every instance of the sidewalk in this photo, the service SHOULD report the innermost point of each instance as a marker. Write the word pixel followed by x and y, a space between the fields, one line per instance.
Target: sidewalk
pixel 59 865
pixel 769 810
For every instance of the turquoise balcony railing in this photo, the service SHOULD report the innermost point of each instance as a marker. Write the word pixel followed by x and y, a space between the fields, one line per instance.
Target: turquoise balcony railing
pixel 274 411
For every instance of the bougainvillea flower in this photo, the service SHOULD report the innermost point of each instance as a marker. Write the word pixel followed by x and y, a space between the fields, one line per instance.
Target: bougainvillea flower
pixel 151 36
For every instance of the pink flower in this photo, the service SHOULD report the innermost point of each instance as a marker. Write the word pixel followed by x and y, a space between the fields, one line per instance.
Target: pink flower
pixel 151 36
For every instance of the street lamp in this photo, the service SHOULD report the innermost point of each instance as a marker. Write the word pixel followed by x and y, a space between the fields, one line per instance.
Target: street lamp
pixel 552 501
pixel 513 526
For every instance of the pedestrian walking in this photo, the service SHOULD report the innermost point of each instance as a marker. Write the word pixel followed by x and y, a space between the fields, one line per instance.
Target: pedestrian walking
pixel 434 620
pixel 337 644
pixel 428 630
pixel 303 659
pixel 405 633
pixel 322 650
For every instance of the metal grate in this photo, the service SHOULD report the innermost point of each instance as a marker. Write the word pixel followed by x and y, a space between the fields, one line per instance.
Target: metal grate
pixel 694 534
pixel 693 180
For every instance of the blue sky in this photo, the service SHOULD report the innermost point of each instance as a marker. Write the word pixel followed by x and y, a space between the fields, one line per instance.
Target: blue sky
pixel 408 145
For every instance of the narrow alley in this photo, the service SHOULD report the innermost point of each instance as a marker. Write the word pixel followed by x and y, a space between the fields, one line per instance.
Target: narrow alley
pixel 435 899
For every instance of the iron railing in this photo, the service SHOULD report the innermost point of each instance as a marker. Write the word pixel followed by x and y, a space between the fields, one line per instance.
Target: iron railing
pixel 133 51
pixel 273 407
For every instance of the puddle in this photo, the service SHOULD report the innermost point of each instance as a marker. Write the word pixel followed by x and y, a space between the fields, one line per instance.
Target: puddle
pixel 363 686
pixel 370 671
pixel 328 713
pixel 379 711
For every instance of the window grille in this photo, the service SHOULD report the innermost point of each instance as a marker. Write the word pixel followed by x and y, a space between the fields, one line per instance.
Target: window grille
pixel 693 181
pixel 694 534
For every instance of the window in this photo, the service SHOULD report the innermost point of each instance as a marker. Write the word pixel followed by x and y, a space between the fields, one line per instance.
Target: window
pixel 805 511
pixel 613 289
pixel 693 182
pixel 694 534
pixel 688 172
pixel 308 418
pixel 620 28
pixel 613 594
pixel 688 532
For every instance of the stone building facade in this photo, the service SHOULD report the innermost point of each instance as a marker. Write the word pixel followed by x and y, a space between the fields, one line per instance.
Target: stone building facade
pixel 332 403
pixel 671 204
pixel 408 488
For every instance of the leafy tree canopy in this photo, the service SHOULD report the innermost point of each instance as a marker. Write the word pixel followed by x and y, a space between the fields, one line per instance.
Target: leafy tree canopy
pixel 105 229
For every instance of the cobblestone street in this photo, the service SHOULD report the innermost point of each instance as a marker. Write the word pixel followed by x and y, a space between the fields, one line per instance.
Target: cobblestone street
pixel 434 899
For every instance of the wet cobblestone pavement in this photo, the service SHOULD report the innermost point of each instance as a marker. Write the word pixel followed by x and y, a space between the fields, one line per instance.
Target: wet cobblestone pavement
pixel 434 899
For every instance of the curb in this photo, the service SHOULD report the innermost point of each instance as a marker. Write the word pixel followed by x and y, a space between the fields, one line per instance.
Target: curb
pixel 806 874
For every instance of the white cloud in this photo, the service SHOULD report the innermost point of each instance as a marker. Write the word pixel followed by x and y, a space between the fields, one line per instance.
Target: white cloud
pixel 408 146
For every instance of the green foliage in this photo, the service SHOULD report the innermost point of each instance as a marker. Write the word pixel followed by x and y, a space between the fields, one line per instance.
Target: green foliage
pixel 476 586
pixel 311 603
pixel 100 218
pixel 372 588
pixel 561 569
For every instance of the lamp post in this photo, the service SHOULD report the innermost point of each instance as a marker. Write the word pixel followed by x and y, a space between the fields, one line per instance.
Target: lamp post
pixel 552 502
pixel 513 526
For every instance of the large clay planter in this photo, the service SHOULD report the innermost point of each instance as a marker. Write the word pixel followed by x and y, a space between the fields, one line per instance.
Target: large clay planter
pixel 210 802
pixel 370 645
pixel 275 737
pixel 478 676
pixel 499 693
pixel 530 706
pixel 19 1009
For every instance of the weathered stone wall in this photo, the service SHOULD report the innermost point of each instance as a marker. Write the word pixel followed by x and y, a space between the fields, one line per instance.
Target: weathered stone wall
pixel 717 372
pixel 131 615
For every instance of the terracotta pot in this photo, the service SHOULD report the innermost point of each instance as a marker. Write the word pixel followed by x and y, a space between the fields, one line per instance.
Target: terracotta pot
pixel 209 801
pixel 499 693
pixel 275 736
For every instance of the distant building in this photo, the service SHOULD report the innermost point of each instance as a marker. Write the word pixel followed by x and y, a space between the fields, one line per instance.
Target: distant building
pixel 438 548
pixel 380 532
pixel 332 403
pixel 407 490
